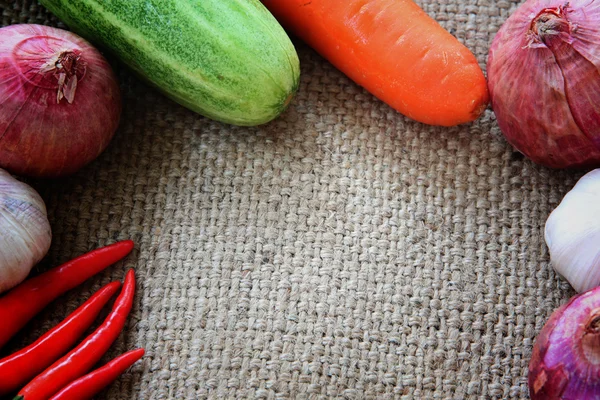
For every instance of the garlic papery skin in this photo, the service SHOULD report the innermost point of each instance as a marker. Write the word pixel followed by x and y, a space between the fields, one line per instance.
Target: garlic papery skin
pixel 25 232
pixel 572 234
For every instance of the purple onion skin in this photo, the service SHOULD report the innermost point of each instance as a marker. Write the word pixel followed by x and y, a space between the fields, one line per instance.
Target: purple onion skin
pixel 565 362
pixel 544 82
pixel 60 102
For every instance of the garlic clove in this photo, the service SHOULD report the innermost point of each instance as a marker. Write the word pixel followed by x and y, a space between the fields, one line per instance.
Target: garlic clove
pixel 25 233
pixel 572 234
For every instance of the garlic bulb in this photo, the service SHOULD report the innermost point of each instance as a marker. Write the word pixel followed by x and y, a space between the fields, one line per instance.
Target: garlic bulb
pixel 573 234
pixel 25 232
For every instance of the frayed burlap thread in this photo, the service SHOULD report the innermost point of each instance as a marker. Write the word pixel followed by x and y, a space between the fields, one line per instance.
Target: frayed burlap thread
pixel 341 251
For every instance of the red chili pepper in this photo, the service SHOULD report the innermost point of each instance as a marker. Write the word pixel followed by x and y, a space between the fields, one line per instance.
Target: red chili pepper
pixel 89 385
pixel 19 368
pixel 24 301
pixel 82 358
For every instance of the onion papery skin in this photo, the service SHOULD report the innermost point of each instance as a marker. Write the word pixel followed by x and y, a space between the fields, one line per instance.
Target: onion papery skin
pixel 53 125
pixel 544 82
pixel 565 362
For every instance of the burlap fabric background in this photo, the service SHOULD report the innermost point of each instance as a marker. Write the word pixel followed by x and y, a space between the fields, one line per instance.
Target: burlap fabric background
pixel 342 251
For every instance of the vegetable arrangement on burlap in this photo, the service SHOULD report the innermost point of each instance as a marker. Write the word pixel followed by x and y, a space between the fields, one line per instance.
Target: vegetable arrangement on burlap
pixel 233 61
pixel 50 367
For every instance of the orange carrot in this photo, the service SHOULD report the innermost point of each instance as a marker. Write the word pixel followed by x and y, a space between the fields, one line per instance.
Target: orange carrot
pixel 394 50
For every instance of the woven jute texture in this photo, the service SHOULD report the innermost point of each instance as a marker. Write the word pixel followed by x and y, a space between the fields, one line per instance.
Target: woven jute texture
pixel 341 251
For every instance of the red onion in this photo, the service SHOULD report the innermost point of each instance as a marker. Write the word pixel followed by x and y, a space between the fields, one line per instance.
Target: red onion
pixel 60 102
pixel 544 81
pixel 565 363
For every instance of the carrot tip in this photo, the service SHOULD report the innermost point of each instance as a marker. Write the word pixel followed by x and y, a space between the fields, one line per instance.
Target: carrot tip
pixel 478 111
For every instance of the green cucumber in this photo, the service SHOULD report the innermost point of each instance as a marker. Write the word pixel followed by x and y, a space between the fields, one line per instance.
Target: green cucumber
pixel 229 60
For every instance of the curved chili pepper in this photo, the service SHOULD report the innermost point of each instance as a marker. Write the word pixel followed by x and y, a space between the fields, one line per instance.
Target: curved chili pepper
pixel 82 358
pixel 89 385
pixel 20 367
pixel 25 300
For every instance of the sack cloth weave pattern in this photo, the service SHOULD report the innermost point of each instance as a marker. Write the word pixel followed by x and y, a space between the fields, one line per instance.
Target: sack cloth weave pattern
pixel 341 251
